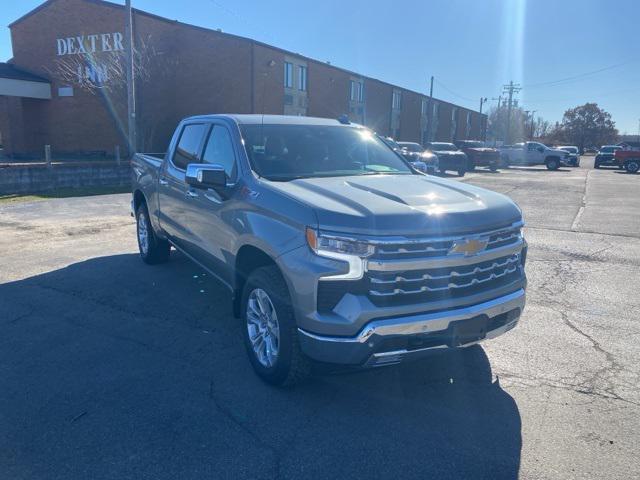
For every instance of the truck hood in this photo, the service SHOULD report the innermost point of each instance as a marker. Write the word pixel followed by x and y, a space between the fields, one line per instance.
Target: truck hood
pixel 448 152
pixel 401 205
pixel 557 151
pixel 483 150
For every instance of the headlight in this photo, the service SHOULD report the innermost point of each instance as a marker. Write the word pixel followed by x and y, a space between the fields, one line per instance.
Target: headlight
pixel 348 250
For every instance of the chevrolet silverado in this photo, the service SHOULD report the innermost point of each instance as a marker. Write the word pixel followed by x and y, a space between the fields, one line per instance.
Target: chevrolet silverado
pixel 333 249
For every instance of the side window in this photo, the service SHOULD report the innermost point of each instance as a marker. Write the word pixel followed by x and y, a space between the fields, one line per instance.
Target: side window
pixel 219 150
pixel 187 149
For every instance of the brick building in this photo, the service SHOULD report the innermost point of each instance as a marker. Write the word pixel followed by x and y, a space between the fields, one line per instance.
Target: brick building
pixel 64 84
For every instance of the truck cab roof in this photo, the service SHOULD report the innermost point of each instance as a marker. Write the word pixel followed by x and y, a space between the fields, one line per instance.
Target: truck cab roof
pixel 260 119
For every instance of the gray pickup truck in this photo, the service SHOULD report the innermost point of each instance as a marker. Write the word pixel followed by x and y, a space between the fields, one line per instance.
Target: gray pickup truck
pixel 333 248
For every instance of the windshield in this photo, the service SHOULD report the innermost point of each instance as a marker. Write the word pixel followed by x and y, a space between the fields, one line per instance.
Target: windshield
pixel 443 147
pixel 473 145
pixel 569 149
pixel 610 148
pixel 287 152
pixel 411 147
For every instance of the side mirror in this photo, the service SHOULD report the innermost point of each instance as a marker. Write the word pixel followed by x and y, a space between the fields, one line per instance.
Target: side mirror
pixel 206 175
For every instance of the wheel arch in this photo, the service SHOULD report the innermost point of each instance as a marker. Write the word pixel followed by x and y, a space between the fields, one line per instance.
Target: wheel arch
pixel 248 258
pixel 138 199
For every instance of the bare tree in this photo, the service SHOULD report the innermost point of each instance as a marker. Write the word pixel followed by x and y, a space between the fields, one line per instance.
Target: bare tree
pixel 104 74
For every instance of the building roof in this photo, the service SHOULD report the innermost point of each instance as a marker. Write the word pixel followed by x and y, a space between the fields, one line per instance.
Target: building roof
pixel 8 70
pixel 219 32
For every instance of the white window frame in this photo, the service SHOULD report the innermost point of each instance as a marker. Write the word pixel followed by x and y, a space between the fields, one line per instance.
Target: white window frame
pixel 288 75
pixel 302 78
pixel 396 101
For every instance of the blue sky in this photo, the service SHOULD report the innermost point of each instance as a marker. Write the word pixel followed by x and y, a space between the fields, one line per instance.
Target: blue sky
pixel 472 47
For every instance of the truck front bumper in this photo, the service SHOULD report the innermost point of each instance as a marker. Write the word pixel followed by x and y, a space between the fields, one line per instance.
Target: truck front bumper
pixel 392 340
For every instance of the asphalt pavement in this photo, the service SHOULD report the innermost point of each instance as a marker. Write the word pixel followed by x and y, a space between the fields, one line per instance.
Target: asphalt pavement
pixel 110 368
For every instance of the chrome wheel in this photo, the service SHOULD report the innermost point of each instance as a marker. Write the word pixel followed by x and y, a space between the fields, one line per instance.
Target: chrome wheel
pixel 263 328
pixel 143 233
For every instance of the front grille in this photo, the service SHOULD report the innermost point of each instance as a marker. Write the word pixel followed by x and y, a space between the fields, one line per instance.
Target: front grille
pixel 417 286
pixel 421 249
pixel 408 284
pixel 429 284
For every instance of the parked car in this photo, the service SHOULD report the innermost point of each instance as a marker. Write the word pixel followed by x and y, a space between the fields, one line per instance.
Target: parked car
pixel 534 153
pixel 421 159
pixel 332 248
pixel 605 156
pixel 478 155
pixel 574 155
pixel 449 157
pixel 628 159
pixel 391 143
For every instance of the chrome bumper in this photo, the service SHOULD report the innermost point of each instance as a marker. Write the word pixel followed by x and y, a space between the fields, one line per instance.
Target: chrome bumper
pixel 392 340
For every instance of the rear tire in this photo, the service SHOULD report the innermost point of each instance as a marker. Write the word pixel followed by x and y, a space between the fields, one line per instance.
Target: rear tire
pixel 153 250
pixel 632 166
pixel 288 366
pixel 462 171
pixel 596 165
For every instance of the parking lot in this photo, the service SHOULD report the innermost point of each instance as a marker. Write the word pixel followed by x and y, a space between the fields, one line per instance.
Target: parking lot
pixel 113 369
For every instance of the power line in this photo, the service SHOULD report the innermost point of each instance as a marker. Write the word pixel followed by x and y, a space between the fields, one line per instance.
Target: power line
pixel 562 81
pixel 454 93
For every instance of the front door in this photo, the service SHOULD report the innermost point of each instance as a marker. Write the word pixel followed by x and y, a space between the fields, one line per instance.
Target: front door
pixel 213 232
pixel 174 195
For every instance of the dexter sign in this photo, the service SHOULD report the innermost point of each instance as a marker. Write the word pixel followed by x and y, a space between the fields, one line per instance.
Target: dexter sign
pixel 98 42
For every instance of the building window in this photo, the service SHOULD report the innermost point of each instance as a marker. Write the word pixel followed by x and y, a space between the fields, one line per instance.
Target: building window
pixel 424 107
pixel 302 78
pixel 356 93
pixel 454 123
pixel 288 75
pixel 397 100
pixel 468 129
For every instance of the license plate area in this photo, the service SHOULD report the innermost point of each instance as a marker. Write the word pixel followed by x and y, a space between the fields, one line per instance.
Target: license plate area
pixel 468 331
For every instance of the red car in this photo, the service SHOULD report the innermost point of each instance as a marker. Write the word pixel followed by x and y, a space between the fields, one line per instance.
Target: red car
pixel 478 155
pixel 628 159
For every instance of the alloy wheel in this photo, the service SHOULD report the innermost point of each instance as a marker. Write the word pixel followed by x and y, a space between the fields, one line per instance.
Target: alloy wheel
pixel 263 327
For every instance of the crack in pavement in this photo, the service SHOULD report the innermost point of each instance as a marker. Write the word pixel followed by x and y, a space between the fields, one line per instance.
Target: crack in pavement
pixel 612 368
pixel 244 427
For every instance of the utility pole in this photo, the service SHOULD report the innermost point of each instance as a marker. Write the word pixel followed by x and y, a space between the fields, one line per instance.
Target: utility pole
pixel 131 93
pixel 483 131
pixel 510 89
pixel 533 125
pixel 430 111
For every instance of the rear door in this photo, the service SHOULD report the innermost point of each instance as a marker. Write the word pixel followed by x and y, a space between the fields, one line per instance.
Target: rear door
pixel 176 215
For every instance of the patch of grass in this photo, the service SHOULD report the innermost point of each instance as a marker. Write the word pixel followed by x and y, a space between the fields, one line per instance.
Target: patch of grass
pixel 63 193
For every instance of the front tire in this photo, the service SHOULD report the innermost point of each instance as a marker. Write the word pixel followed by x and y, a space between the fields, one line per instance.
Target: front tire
pixel 270 330
pixel 552 163
pixel 153 250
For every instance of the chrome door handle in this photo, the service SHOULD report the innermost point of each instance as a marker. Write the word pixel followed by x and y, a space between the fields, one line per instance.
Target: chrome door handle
pixel 163 182
pixel 191 194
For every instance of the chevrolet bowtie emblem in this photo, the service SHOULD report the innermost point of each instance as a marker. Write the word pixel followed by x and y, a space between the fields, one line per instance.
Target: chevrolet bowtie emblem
pixel 468 246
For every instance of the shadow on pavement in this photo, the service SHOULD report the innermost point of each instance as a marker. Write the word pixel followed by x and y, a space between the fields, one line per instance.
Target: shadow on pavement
pixel 113 369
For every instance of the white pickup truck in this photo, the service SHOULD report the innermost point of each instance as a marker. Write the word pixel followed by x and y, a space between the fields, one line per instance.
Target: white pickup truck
pixel 534 153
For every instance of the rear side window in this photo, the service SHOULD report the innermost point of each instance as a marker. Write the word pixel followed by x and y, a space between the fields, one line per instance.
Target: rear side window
pixel 187 149
pixel 219 150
